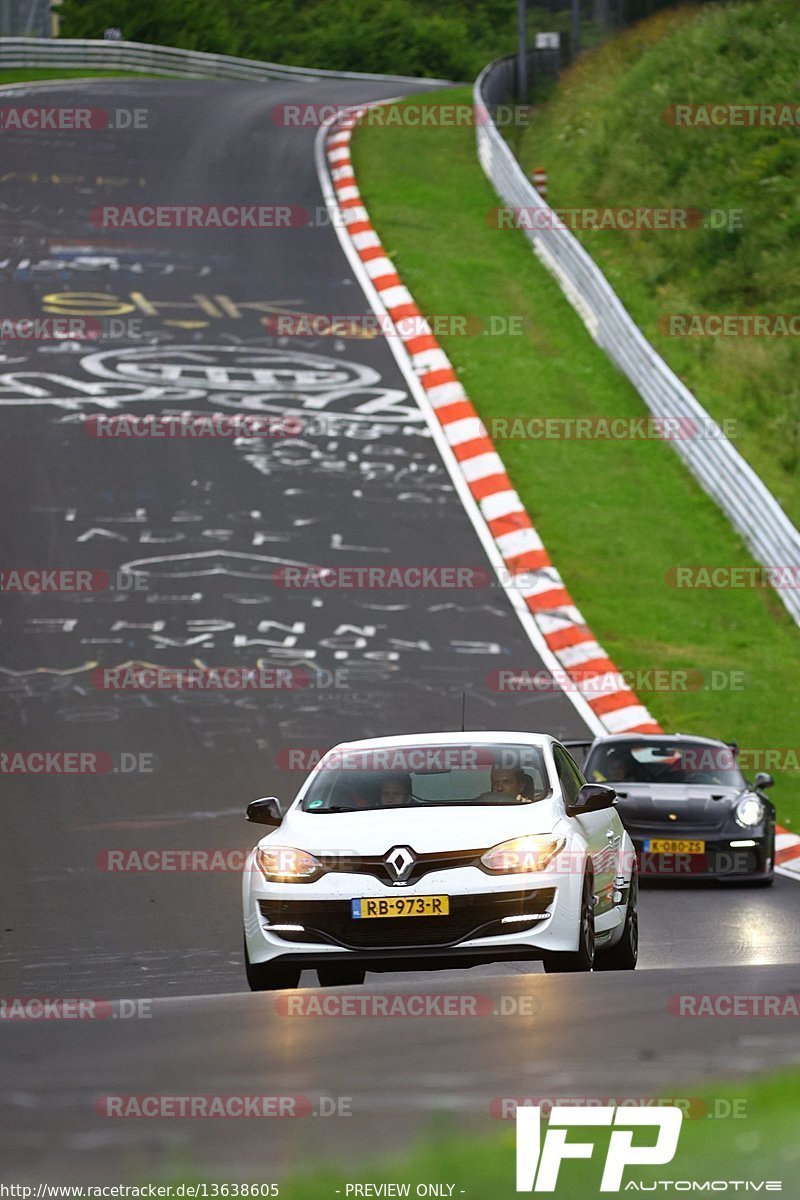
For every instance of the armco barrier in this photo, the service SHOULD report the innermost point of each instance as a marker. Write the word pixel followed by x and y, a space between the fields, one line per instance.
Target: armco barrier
pixel 80 54
pixel 715 462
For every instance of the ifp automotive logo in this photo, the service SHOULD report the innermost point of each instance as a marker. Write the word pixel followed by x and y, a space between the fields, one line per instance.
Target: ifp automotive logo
pixel 539 1160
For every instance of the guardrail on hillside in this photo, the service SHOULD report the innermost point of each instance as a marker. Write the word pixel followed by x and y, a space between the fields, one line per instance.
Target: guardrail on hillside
pixel 81 53
pixel 715 462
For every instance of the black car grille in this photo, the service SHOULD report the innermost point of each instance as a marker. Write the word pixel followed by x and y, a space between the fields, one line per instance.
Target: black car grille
pixel 654 818
pixel 664 828
pixel 470 916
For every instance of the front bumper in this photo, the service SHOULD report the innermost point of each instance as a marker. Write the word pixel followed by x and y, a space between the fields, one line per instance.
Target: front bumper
pixel 471 917
pixel 321 928
pixel 720 858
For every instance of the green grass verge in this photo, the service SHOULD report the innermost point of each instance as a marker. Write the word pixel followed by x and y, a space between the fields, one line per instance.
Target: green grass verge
pixel 759 1143
pixel 744 1129
pixel 604 140
pixel 35 74
pixel 616 516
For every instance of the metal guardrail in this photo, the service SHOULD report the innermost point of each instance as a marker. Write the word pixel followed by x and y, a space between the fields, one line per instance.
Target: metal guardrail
pixel 715 462
pixel 81 53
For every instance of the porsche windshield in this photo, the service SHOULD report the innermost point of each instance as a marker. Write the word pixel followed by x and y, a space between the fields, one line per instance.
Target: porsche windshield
pixel 664 762
pixel 427 777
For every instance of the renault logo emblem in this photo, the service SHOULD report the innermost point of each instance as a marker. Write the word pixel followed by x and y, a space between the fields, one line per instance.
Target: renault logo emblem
pixel 399 862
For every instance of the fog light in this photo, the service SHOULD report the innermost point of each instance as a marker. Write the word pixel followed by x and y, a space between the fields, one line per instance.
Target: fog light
pixel 743 842
pixel 288 928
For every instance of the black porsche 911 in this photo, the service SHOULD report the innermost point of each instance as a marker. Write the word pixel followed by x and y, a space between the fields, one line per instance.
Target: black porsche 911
pixel 687 806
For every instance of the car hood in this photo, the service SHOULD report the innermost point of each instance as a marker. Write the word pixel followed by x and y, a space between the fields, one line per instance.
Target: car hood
pixel 700 804
pixel 425 830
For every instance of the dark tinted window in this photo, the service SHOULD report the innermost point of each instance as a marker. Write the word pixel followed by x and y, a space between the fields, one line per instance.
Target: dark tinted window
pixel 667 761
pixel 568 774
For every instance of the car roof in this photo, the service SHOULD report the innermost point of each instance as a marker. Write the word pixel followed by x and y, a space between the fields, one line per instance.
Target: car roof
pixel 449 738
pixel 657 738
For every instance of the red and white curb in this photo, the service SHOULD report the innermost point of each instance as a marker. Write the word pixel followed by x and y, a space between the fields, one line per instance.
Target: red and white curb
pixel 787 853
pixel 552 619
pixel 562 635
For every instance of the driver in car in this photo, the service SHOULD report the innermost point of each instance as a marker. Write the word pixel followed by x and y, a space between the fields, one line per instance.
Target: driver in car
pixel 513 781
pixel 619 766
pixel 395 791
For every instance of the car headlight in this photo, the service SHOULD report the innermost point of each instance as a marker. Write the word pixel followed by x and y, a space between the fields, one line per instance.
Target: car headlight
pixel 749 812
pixel 532 853
pixel 284 864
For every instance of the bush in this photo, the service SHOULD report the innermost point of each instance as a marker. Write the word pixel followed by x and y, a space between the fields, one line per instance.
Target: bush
pixel 450 39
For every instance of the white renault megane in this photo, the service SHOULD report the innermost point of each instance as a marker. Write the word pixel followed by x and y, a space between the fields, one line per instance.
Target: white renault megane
pixel 431 850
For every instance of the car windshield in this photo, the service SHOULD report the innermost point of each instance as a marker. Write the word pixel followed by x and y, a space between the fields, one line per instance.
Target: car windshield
pixel 427 777
pixel 664 762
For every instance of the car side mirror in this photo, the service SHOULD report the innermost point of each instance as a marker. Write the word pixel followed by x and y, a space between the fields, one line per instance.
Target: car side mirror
pixel 592 798
pixel 266 811
pixel 763 780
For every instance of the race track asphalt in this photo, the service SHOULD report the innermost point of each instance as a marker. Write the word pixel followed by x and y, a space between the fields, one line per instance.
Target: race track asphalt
pixel 199 528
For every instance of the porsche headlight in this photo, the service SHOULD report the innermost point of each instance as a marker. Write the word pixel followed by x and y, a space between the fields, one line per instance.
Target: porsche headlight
pixel 284 864
pixel 749 812
pixel 532 853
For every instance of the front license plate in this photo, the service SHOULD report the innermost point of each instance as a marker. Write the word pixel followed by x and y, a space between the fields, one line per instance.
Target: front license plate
pixel 674 846
pixel 402 906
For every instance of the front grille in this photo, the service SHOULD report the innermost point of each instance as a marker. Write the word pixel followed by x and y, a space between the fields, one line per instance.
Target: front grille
pixel 654 819
pixel 676 830
pixel 423 865
pixel 470 916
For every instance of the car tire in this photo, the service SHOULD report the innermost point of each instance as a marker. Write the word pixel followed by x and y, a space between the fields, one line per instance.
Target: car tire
pixel 270 976
pixel 340 974
pixel 624 954
pixel 583 958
